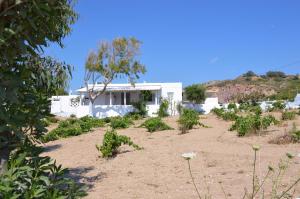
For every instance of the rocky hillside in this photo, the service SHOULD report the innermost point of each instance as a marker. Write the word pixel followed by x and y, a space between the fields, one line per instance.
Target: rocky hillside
pixel 273 85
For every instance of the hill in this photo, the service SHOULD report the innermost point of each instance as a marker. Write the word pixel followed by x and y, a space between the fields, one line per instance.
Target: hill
pixel 273 85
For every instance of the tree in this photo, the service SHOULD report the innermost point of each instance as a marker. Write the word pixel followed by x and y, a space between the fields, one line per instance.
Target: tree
pixel 249 74
pixel 195 93
pixel 27 79
pixel 112 60
pixel 275 74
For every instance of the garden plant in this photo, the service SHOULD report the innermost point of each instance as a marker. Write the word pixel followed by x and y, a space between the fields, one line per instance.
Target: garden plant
pixel 155 124
pixel 111 143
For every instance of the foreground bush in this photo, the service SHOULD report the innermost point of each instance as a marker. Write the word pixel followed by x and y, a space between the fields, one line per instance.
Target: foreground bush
pixel 111 143
pixel 155 124
pixel 286 115
pixel 32 176
pixel 120 122
pixel 73 127
pixel 187 120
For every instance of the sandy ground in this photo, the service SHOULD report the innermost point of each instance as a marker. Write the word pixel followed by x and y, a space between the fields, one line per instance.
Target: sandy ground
pixel 159 171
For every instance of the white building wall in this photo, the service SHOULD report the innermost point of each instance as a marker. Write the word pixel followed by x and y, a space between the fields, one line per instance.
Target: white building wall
pixel 101 107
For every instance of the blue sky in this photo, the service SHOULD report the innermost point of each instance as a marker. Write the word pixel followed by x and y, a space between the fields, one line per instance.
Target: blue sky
pixel 191 41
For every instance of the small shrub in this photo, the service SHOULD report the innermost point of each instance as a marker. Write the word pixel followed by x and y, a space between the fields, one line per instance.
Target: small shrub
pixel 163 108
pixel 73 127
pixel 111 143
pixel 91 122
pixel 218 112
pixel 252 123
pixel 225 115
pixel 120 122
pixel 278 106
pixel 52 119
pixel 187 120
pixel 232 106
pixel 72 116
pixel 286 115
pixel 134 116
pixel 293 136
pixel 140 108
pixel 155 124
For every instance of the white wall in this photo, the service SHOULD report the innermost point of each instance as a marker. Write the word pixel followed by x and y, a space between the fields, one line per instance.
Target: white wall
pixel 176 89
pixel 209 104
pixel 101 107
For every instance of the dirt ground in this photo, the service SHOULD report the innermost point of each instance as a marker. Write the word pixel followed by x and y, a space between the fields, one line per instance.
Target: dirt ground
pixel 159 172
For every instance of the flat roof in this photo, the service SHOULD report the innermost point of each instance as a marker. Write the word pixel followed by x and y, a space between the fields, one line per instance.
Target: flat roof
pixel 127 87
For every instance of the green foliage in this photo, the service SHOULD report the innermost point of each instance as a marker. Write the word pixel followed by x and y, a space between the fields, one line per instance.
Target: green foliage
pixel 277 106
pixel 155 124
pixel 112 60
pixel 252 124
pixel 225 115
pixel 27 79
pixel 232 107
pixel 111 143
pixel 73 127
pixel 163 108
pixel 120 122
pixel 195 93
pixel 275 74
pixel 295 134
pixel 134 116
pixel 250 107
pixel 188 119
pixel 140 108
pixel 288 115
pixel 249 74
pixel 31 176
pixel 28 26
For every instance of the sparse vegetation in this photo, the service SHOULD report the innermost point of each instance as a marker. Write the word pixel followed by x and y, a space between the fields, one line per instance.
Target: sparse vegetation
pixel 111 143
pixel 277 106
pixel 257 188
pixel 155 124
pixel 163 108
pixel 187 120
pixel 293 136
pixel 225 115
pixel 73 127
pixel 252 123
pixel 288 115
pixel 120 122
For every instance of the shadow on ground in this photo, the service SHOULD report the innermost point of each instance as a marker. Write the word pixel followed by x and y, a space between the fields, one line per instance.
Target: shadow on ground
pixel 86 176
pixel 52 147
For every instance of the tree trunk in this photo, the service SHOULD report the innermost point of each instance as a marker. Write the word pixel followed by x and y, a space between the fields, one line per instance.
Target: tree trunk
pixel 91 109
pixel 4 155
pixel 4 150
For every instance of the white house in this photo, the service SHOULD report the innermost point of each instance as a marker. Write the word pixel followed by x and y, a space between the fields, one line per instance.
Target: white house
pixel 205 108
pixel 117 100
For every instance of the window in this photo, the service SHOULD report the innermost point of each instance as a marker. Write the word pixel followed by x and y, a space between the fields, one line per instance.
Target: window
pixel 147 96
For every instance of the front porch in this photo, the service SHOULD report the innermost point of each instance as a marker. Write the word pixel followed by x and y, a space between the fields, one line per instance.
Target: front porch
pixel 119 103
